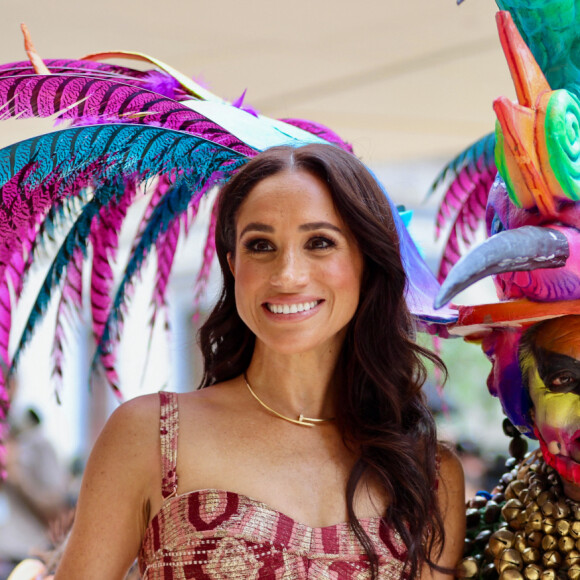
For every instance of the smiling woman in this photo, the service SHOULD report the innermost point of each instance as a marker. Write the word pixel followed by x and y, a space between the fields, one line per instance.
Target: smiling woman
pixel 309 451
pixel 297 267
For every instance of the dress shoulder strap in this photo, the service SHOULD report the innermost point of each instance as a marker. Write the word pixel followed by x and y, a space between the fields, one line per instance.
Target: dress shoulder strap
pixel 168 434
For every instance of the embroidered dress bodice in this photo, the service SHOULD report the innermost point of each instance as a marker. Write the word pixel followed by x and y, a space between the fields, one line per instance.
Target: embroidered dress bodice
pixel 214 534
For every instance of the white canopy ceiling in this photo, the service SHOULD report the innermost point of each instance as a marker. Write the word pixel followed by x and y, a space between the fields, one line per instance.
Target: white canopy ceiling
pixel 400 79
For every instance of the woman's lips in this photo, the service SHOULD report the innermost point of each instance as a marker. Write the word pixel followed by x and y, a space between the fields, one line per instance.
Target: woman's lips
pixel 292 307
pixel 290 310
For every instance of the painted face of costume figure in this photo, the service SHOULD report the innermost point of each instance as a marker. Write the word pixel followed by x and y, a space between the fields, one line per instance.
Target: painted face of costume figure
pixel 550 362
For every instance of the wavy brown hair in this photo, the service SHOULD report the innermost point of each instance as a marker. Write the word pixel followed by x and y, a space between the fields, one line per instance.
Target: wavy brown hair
pixel 380 408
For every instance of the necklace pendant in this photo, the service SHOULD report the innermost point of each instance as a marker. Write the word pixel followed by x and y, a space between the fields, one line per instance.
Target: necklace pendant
pixel 302 420
pixel 305 421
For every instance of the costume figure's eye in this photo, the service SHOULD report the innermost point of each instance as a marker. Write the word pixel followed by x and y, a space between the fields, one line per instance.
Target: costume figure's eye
pixel 496 225
pixel 563 382
pixel 258 246
pixel 320 243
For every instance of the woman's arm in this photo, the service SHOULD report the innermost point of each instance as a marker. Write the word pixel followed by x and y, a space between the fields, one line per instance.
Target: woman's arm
pixel 451 497
pixel 112 510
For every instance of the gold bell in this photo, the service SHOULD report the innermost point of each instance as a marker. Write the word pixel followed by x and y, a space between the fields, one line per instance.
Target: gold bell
pixel 543 498
pixel 531 507
pixel 535 539
pixel 565 544
pixel 514 489
pixel 562 509
pixel 532 572
pixel 551 559
pixel 531 555
pixel 511 574
pixel 501 540
pixel 572 558
pixel 511 509
pixel 548 508
pixel 549 542
pixel 548 525
pixel 467 568
pixel 510 559
pixel 563 527
pixel 534 522
pixel 520 543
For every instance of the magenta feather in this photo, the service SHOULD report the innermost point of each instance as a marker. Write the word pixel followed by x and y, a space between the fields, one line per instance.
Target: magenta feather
pixel 466 183
pixel 208 256
pixel 320 130
pixel 75 67
pixel 105 241
pixel 4 408
pixel 166 247
pixel 464 202
pixel 73 98
pixel 469 215
pixel 5 321
pixel 70 302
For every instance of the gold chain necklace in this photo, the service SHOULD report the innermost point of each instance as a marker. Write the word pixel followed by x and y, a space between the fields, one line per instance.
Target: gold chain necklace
pixel 302 420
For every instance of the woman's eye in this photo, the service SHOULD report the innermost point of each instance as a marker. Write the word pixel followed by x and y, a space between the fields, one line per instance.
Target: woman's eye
pixel 320 243
pixel 258 246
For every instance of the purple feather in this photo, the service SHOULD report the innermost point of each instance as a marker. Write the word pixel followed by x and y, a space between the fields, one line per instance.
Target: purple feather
pixel 162 83
pixel 239 103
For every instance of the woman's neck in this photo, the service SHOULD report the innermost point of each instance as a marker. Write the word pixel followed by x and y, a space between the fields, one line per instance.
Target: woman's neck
pixel 294 384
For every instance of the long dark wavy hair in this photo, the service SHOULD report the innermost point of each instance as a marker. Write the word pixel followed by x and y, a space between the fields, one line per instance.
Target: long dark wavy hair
pixel 380 408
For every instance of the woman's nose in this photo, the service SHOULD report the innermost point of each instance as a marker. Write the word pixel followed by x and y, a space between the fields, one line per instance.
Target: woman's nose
pixel 289 270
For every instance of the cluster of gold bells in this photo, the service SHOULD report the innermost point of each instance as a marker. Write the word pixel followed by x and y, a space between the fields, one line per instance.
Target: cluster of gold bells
pixel 538 535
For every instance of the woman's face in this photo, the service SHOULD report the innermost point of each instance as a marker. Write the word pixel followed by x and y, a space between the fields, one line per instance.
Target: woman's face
pixel 297 266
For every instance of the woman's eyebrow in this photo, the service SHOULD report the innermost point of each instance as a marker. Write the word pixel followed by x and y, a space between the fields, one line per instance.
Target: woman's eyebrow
pixel 261 227
pixel 319 226
pixel 257 227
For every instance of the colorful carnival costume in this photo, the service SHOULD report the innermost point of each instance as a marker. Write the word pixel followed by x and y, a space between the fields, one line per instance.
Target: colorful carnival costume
pixel 529 526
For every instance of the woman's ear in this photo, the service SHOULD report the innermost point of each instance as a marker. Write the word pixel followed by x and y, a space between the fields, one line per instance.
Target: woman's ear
pixel 231 263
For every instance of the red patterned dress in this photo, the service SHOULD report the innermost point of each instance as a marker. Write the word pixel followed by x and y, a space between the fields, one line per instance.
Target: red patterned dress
pixel 214 534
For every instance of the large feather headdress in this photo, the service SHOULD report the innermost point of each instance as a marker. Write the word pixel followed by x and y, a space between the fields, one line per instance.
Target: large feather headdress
pixel 531 208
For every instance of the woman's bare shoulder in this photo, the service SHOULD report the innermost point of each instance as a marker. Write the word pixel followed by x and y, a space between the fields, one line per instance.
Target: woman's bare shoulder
pixel 135 418
pixel 221 397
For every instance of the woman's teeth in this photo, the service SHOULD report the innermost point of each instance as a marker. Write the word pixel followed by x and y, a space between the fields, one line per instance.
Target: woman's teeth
pixel 291 308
